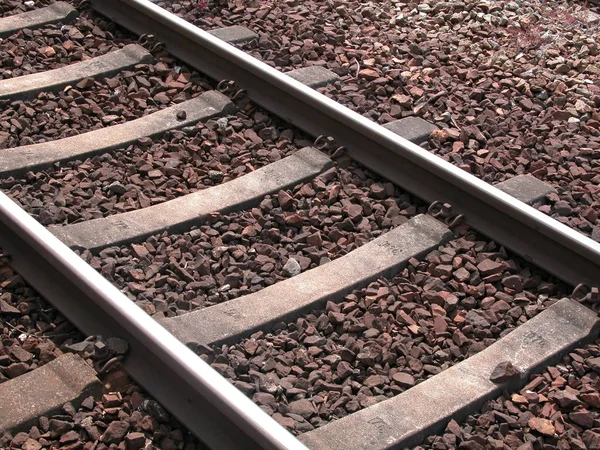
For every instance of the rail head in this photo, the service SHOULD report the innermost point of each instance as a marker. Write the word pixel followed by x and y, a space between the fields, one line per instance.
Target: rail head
pixel 540 239
pixel 194 392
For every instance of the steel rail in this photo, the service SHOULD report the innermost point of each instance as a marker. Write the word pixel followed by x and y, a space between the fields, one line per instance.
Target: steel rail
pixel 205 402
pixel 556 248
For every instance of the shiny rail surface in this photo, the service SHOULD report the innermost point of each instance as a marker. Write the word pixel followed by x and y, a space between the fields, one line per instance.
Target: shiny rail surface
pixel 538 238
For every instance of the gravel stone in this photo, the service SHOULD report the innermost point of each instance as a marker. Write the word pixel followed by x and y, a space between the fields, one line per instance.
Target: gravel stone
pixel 404 379
pixel 135 440
pixel 302 407
pixel 522 99
pixel 291 268
pixel 547 413
pixel 503 371
pixel 383 339
pixel 594 364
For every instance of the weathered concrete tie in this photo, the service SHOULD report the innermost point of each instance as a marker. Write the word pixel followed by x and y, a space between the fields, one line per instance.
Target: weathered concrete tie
pixel 18 160
pixel 526 188
pixel 45 390
pixel 425 409
pixel 283 301
pixel 57 12
pixel 235 34
pixel 106 65
pixel 181 213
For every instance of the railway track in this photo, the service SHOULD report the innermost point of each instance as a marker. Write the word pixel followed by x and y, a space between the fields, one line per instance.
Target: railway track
pixel 344 302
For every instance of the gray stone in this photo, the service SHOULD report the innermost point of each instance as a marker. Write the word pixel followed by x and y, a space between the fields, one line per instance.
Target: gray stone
pixel 135 440
pixel 384 256
pixel 594 364
pixel 291 268
pixel 117 188
pixel 475 319
pixel 45 390
pixel 115 432
pixel 117 346
pixel 592 17
pixel 404 379
pixel 566 398
pixel 405 420
pixel 591 439
pixel 81 347
pixel 179 214
pixel 303 408
pixel 412 128
pixel 31 444
pixel 314 76
pixel 526 188
pixel 235 34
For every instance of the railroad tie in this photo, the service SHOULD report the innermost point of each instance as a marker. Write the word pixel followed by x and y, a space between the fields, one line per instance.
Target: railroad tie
pixel 412 128
pixel 191 209
pixel 28 86
pixel 57 12
pixel 526 188
pixel 425 409
pixel 235 34
pixel 19 160
pixel 232 320
pixel 45 390
pixel 313 76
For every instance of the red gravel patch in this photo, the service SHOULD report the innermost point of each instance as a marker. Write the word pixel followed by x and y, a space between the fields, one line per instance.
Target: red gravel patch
pixel 558 409
pixel 32 331
pixel 384 339
pixel 239 253
pixel 155 170
pixel 521 98
pixel 12 7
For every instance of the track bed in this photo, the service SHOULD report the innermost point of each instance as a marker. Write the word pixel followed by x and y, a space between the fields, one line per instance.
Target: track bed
pixel 273 268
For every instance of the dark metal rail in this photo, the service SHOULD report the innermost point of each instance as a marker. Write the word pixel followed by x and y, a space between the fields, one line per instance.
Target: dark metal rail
pixel 545 242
